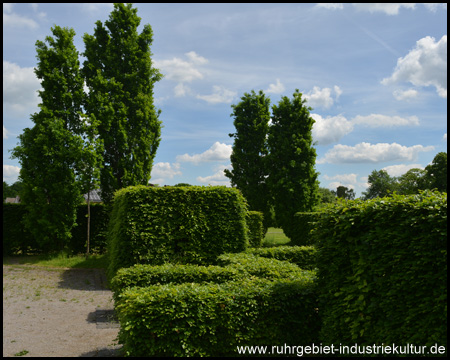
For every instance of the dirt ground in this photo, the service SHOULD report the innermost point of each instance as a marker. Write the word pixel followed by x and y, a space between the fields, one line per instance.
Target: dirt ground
pixel 57 312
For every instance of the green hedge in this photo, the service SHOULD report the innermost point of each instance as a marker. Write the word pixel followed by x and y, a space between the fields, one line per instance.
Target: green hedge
pixel 256 228
pixel 235 267
pixel 383 271
pixel 303 256
pixel 213 319
pixel 302 228
pixel 175 224
pixel 16 238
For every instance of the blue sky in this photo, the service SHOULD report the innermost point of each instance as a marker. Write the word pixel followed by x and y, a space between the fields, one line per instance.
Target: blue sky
pixel 374 74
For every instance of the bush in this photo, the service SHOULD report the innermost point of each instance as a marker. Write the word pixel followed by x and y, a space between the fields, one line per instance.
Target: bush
pixel 383 271
pixel 235 267
pixel 256 228
pixel 302 256
pixel 15 236
pixel 193 224
pixel 213 319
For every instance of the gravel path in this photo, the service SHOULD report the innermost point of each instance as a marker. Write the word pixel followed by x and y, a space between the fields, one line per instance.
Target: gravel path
pixel 57 312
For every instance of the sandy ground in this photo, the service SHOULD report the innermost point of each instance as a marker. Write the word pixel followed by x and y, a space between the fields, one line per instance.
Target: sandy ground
pixel 57 312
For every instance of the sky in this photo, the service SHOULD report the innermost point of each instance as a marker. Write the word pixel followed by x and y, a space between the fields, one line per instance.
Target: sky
pixel 374 74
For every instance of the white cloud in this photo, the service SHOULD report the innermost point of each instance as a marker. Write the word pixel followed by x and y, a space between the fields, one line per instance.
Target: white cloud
pixel 378 120
pixel 20 87
pixel 196 59
pixel 10 173
pixel 217 152
pixel 182 90
pixel 347 180
pixel 11 19
pixel 331 129
pixel 219 95
pixel 166 170
pixel 277 88
pixel 425 65
pixel 5 132
pixel 387 8
pixel 322 97
pixel 331 6
pixel 218 178
pixel 405 95
pixel 368 153
pixel 445 137
pixel 178 70
pixel 397 170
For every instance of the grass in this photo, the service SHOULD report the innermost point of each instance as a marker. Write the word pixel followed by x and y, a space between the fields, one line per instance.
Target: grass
pixel 274 237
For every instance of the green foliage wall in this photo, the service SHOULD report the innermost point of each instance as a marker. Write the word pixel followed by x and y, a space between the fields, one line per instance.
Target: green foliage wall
pixel 256 228
pixel 382 270
pixel 189 310
pixel 302 227
pixel 175 224
pixel 16 238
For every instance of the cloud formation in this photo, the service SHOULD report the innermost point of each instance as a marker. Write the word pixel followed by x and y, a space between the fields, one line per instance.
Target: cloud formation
pixel 219 95
pixel 372 153
pixel 330 129
pixel 277 88
pixel 318 97
pixel 425 65
pixel 218 178
pixel 217 152
pixel 379 120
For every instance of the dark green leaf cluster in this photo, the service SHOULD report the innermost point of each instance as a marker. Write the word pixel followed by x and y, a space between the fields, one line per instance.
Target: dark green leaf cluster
pixel 302 227
pixel 303 256
pixel 193 224
pixel 216 308
pixel 256 228
pixel 383 270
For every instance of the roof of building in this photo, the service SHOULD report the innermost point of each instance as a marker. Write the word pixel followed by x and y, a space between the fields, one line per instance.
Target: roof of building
pixel 94 196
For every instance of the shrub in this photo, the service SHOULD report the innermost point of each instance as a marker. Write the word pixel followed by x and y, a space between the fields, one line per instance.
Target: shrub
pixel 15 236
pixel 193 224
pixel 302 256
pixel 256 228
pixel 383 270
pixel 212 319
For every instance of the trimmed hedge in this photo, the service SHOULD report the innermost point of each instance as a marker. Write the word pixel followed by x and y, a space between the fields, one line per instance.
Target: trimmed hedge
pixel 256 228
pixel 17 239
pixel 213 319
pixel 383 271
pixel 175 224
pixel 302 256
pixel 302 228
pixel 237 267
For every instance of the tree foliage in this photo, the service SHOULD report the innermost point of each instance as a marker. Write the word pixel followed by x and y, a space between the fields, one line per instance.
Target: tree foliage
pixel 51 151
pixel 292 175
pixel 248 159
pixel 120 78
pixel 343 192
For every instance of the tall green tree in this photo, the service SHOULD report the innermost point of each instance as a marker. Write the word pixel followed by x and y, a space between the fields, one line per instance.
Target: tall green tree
pixel 411 182
pixel 292 175
pixel 436 173
pixel 120 79
pixel 50 152
pixel 344 192
pixel 381 184
pixel 248 159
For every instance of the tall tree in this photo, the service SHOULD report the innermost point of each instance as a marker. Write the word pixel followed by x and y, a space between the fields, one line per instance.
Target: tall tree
pixel 248 159
pixel 436 173
pixel 381 184
pixel 411 182
pixel 344 192
pixel 292 175
pixel 51 150
pixel 120 79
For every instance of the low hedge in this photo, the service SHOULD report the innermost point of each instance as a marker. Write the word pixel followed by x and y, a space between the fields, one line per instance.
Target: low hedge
pixel 302 256
pixel 382 271
pixel 213 319
pixel 236 267
pixel 175 224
